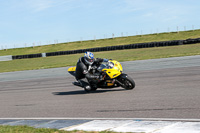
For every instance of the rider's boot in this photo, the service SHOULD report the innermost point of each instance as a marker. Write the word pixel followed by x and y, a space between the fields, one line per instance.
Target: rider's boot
pixel 85 85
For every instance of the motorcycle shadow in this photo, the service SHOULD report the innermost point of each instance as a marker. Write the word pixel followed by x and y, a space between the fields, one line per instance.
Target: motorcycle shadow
pixel 80 92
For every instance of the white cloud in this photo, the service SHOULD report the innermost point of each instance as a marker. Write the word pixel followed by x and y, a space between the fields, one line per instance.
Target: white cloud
pixel 38 5
pixel 162 11
pixel 42 5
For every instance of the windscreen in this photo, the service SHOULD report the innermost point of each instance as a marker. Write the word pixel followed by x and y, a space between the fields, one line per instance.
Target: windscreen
pixel 106 65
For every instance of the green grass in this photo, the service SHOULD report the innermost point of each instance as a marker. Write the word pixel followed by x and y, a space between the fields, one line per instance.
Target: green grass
pixel 27 129
pixel 103 42
pixel 120 55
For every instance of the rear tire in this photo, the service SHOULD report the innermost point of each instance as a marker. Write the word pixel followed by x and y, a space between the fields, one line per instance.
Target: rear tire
pixel 93 89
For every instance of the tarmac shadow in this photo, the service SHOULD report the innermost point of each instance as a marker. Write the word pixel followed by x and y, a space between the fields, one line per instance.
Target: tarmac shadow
pixel 82 92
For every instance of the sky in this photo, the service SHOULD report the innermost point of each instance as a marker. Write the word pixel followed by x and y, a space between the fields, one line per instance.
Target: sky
pixel 25 23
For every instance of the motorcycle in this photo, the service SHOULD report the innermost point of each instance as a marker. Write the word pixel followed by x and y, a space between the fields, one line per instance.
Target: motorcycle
pixel 113 76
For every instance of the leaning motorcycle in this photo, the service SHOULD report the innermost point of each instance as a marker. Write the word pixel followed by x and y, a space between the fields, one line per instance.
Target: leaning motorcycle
pixel 113 76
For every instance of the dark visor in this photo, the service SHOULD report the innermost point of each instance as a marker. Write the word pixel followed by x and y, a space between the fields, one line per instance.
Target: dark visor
pixel 90 60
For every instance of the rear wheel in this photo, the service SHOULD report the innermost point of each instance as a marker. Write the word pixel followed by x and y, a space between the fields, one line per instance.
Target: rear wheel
pixel 93 89
pixel 128 83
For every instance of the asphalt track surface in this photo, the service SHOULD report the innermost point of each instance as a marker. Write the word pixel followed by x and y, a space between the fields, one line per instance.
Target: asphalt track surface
pixel 165 88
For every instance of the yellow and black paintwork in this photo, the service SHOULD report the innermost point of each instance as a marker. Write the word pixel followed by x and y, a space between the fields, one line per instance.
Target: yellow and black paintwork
pixel 112 72
pixel 115 71
pixel 72 70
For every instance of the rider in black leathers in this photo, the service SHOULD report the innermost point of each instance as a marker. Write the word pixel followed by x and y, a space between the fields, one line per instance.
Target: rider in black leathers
pixel 86 71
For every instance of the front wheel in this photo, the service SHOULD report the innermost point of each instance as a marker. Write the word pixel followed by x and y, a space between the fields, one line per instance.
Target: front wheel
pixel 128 83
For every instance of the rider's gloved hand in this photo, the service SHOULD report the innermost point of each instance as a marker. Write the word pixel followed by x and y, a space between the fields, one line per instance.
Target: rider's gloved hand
pixel 99 60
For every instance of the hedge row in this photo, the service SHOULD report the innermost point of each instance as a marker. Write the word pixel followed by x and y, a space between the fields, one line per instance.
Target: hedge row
pixel 110 48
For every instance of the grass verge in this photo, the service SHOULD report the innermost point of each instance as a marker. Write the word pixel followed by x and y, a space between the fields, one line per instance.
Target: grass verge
pixel 120 55
pixel 27 129
pixel 103 42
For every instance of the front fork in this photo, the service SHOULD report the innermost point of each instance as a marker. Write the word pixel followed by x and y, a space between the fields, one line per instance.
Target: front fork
pixel 119 79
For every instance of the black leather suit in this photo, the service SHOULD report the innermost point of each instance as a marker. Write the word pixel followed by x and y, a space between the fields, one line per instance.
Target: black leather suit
pixel 83 70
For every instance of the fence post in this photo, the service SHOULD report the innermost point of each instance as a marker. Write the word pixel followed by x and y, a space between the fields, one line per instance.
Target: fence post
pixel 113 35
pixel 177 30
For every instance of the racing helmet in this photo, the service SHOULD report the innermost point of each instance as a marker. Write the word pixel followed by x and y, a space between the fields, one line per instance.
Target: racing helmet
pixel 89 58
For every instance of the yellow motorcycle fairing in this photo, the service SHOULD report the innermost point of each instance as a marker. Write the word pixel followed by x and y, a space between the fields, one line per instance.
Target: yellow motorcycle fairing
pixel 114 69
pixel 71 69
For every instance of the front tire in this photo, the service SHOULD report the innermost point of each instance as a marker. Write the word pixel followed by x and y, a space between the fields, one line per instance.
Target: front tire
pixel 128 83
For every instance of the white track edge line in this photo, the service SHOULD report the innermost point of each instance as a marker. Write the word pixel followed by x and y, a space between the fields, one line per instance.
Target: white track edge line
pixel 81 118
